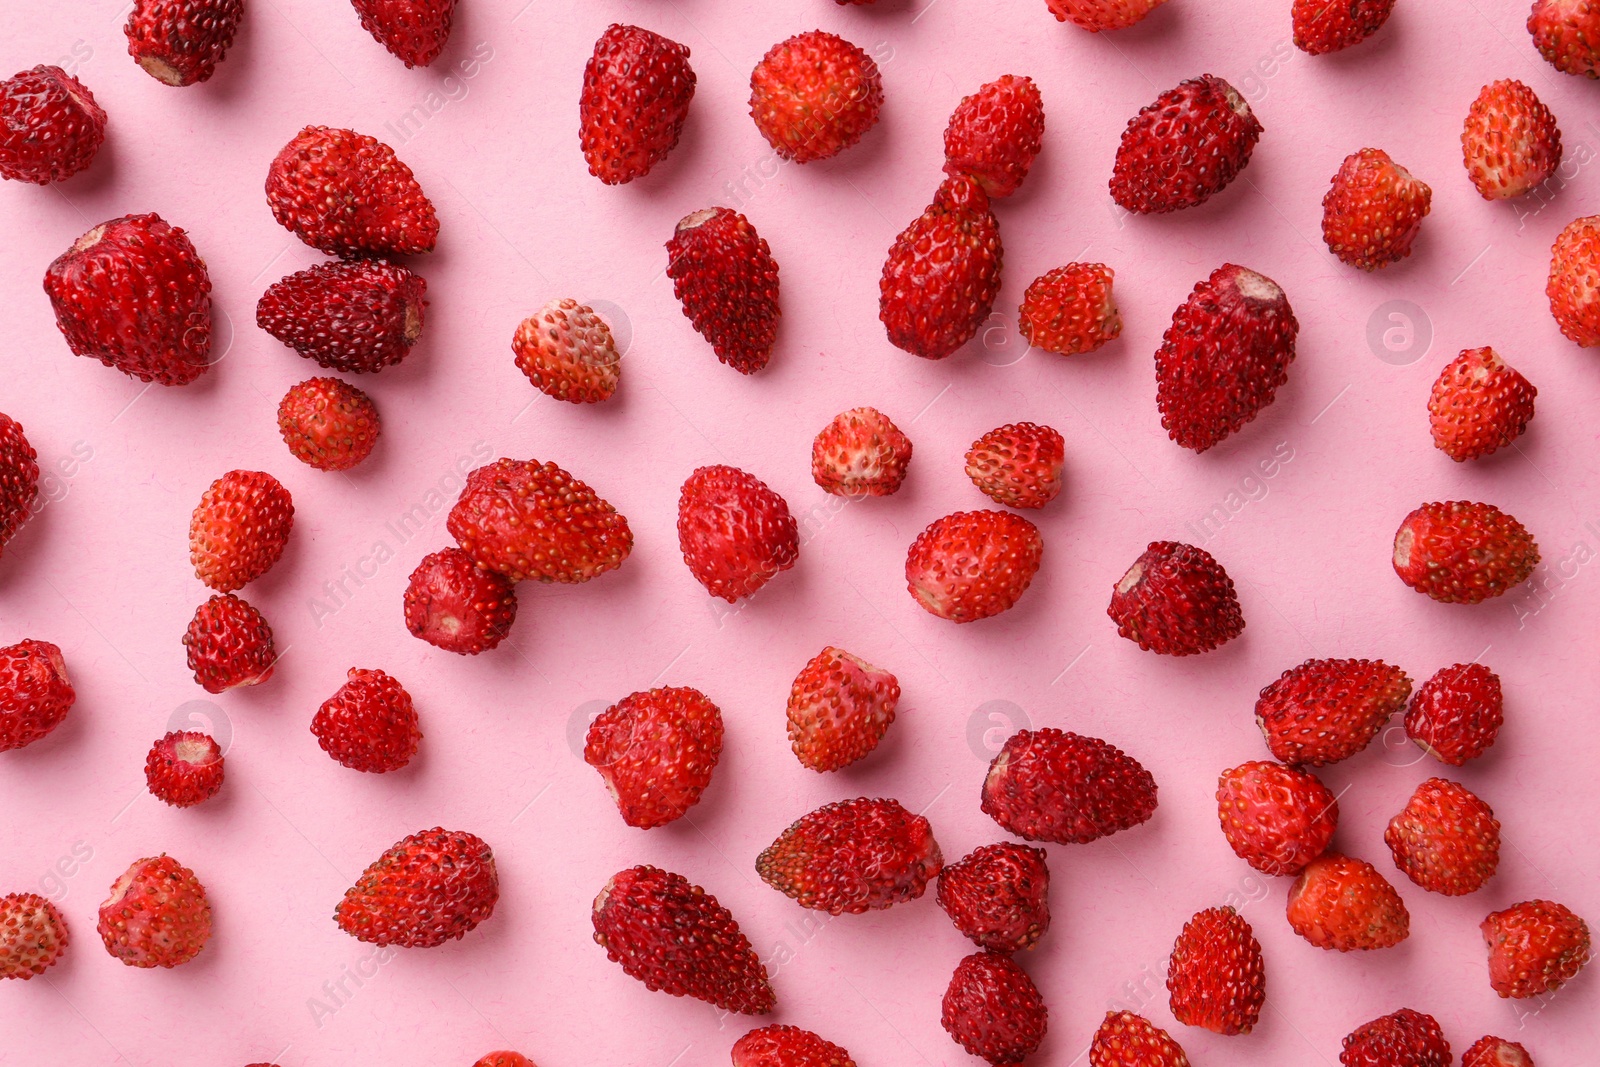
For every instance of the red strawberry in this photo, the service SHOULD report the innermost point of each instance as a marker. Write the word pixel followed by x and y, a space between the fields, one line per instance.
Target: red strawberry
pixel 427 889
pixel 1018 465
pixel 735 533
pixel 674 937
pixel 1574 285
pixel 1373 210
pixel 328 424
pixel 414 31
pixel 134 294
pixel 942 273
pixel 567 352
pixel 814 95
pixel 33 935
pixel 239 529
pixel 1276 818
pixel 1404 1039
pixel 999 896
pixel 1462 552
pixel 840 706
pixel 1128 1040
pixel 1327 710
pixel 184 768
pixel 1070 309
pixel 1052 785
pixel 1343 903
pixel 157 914
pixel 1567 34
pixel 724 275
pixel 973 564
pixel 1456 715
pixel 180 42
pixel 1510 143
pixel 1535 947
pixel 1479 404
pixel 352 317
pixel 1097 15
pixel 655 751
pixel 35 694
pixel 860 453
pixel 50 126
pixel 529 520
pixel 1176 600
pixel 853 856
pixel 370 724
pixel 994 134
pixel 19 477
pixel 1184 148
pixel 1321 26
pixel 1446 840
pixel 1216 978
pixel 993 1010
pixel 636 92
pixel 229 645
pixel 347 194
pixel 1224 356
pixel 1496 1052
pixel 504 1059
pixel 453 604
pixel 788 1046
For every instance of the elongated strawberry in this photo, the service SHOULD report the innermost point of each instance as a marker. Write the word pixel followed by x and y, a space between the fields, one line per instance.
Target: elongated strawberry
pixel 1216 978
pixel 1276 818
pixel 229 644
pixel 527 520
pixel 1344 904
pixel 1321 27
pixel 33 935
pixel 1373 210
pixel 1327 710
pixel 1128 1040
pixel 19 478
pixel 567 352
pixel 1479 404
pixel 184 768
pixel 656 751
pixel 353 317
pixel 348 194
pixel 35 694
pixel 180 42
pixel 814 95
pixel 414 31
pixel 637 87
pixel 1053 785
pixel 840 706
pixel 1070 309
pixel 973 564
pixel 1491 1051
pixel 1176 600
pixel 1567 34
pixel 1463 552
pixel 239 529
pixel 1097 15
pixel 1535 947
pixel 735 533
pixel 453 604
pixel 1574 284
pixel 1185 147
pixel 942 273
pixel 328 424
pixel 853 856
pixel 860 453
pixel 50 126
pixel 993 1010
pixel 1446 840
pixel 429 888
pixel 1405 1038
pixel 369 724
pixel 1510 142
pixel 787 1046
pixel 157 914
pixel 999 896
pixel 994 134
pixel 1456 715
pixel 724 275
pixel 1018 465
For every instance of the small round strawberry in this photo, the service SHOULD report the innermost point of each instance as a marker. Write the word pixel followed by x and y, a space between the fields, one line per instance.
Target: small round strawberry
pixel 35 694
pixel 19 478
pixel 157 914
pixel 229 644
pixel 1461 552
pixel 1184 148
pixel 1321 27
pixel 814 95
pixel 860 453
pixel 973 564
pixel 414 31
pixel 655 751
pixel 239 529
pixel 1491 1051
pixel 454 604
pixel 636 92
pixel 504 1059
pixel 999 896
pixel 942 273
pixel 1344 904
pixel 840 706
pixel 993 1010
pixel 1276 818
pixel 328 424
pixel 1567 34
pixel 1097 15
pixel 1327 710
pixel 527 520
pixel 1456 715
pixel 33 935
pixel 1128 1040
pixel 734 532
pixel 1510 142
pixel 180 42
pixel 370 724
pixel 1176 600
pixel 427 889
pixel 1070 309
pixel 567 352
pixel 348 194
pixel 1404 1039
pixel 994 134
pixel 853 856
pixel 184 768
pixel 355 317
pixel 1372 212
pixel 1479 404
pixel 787 1046
pixel 1446 840
pixel 1574 284
pixel 1535 947
pixel 50 126
pixel 1018 465
pixel 1216 979
pixel 1053 785
pixel 727 281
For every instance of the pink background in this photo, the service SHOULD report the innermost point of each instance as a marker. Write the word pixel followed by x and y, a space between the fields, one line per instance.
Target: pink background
pixel 104 571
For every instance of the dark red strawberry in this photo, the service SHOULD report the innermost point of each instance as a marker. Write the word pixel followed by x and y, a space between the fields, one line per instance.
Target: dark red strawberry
pixel 184 768
pixel 1344 904
pixel 180 42
pixel 414 31
pixel 1496 1052
pixel 655 751
pixel 455 605
pixel 1070 309
pixel 1176 600
pixel 1018 465
pixel 1373 211
pixel 229 644
pixel 1535 947
pixel 1216 979
pixel 993 1010
pixel 370 724
pixel 973 564
pixel 19 478
pixel 328 424
pixel 1574 285
pixel 157 914
pixel 348 194
pixel 1128 1040
pixel 735 533
pixel 1462 552
pixel 1053 785
pixel 814 95
pixel 1510 142
pixel 853 856
pixel 427 889
pixel 724 275
pixel 1404 1039
pixel 50 126
pixel 1567 34
pixel 999 896
pixel 788 1046
pixel 840 706
pixel 1456 715
pixel 353 317
pixel 239 529
pixel 942 273
pixel 1446 840
pixel 1327 710
pixel 1321 27
pixel 994 134
pixel 1479 404
pixel 497 1059
pixel 1276 818
pixel 1185 147
pixel 33 935
pixel 1097 15
pixel 636 92
pixel 528 520
pixel 567 352
pixel 860 453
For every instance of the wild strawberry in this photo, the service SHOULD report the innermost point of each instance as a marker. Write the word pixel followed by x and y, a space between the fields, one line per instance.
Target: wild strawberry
pixel 229 644
pixel 1404 1039
pixel 180 42
pixel 19 477
pixel 636 92
pixel 1574 285
pixel 840 706
pixel 973 564
pixel 993 1010
pixel 1216 979
pixel 734 532
pixel 414 31
pixel 1224 356
pixel 1493 1051
pixel 1446 840
pixel 239 529
pixel 1018 465
pixel 347 194
pixel 33 935
pixel 1176 600
pixel 724 275
pixel 528 520
pixel 942 273
pixel 1128 1040
pixel 1070 309
pixel 994 134
pixel 1463 552
pixel 1510 143
pixel 1456 715
pixel 1184 148
pixel 328 424
pixel 655 751
pixel 35 694
pixel 675 938
pixel 157 914
pixel 1535 947
pixel 1372 212
pixel 1567 34
pixel 370 724
pixel 184 768
pixel 1479 404
pixel 1321 27
pixel 1342 903
pixel 1327 710
pixel 453 604
pixel 1097 15
pixel 1053 785
pixel 999 896
pixel 567 352
pixel 50 126
pixel 860 453
pixel 353 317
pixel 504 1059
pixel 1276 818
pixel 787 1046
pixel 814 95
pixel 134 294
pixel 853 856
pixel 427 889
